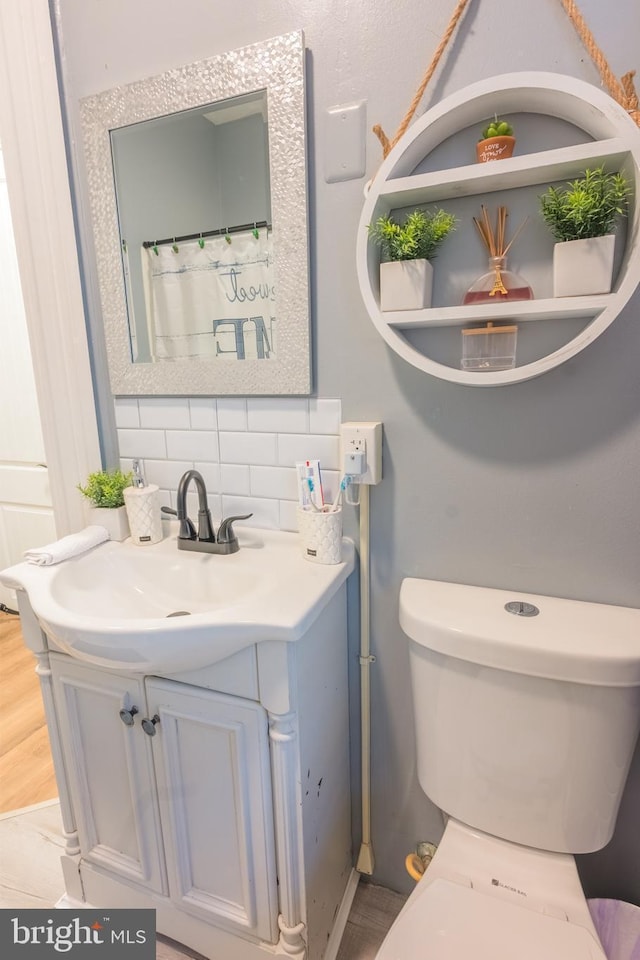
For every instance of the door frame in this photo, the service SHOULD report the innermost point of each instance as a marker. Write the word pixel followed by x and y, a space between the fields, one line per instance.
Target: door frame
pixel 42 214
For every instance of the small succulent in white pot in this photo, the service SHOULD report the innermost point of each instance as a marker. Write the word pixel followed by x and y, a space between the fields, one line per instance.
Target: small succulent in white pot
pixel 406 274
pixel 582 217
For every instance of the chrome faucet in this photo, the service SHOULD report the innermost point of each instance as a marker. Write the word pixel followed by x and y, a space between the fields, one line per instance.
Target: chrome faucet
pixel 205 539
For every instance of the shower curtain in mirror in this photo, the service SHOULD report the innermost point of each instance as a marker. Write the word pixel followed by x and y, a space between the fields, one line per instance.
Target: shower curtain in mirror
pixel 211 298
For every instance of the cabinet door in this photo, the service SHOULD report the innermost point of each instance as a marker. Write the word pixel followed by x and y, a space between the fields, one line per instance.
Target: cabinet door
pixel 214 785
pixel 110 769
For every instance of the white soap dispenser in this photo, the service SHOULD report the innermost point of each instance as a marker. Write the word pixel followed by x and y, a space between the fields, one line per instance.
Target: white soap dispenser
pixel 143 509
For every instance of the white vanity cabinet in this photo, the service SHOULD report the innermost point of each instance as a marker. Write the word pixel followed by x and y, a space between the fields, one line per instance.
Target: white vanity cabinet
pixel 219 797
pixel 172 788
pixel 110 772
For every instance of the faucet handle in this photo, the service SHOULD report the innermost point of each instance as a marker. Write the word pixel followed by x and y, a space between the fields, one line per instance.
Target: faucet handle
pixel 226 533
pixel 187 530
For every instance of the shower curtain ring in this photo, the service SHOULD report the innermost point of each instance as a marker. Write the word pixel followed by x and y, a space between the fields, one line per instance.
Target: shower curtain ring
pixel 175 247
pixel 201 242
pixel 255 230
pixel 155 248
pixel 226 236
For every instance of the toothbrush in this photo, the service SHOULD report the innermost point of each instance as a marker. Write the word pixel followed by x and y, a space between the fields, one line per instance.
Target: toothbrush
pixel 344 483
pixel 309 482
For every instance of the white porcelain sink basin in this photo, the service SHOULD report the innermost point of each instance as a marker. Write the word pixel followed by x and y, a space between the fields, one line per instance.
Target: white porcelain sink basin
pixel 157 608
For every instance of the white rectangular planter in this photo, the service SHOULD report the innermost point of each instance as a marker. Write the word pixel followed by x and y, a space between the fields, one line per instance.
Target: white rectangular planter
pixel 583 267
pixel 406 285
pixel 114 520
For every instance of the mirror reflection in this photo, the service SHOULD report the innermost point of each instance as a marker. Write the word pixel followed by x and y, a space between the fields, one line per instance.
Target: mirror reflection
pixel 194 214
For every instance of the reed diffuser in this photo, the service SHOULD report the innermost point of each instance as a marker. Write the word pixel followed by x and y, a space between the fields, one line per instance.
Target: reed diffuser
pixel 498 284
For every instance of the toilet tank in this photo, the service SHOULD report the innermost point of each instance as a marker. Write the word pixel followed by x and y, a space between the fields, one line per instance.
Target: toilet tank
pixel 527 710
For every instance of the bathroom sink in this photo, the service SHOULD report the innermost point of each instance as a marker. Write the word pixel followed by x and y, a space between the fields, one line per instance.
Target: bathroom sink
pixel 154 608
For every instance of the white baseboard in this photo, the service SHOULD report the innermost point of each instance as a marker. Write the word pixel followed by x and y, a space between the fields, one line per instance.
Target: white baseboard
pixel 30 809
pixel 333 943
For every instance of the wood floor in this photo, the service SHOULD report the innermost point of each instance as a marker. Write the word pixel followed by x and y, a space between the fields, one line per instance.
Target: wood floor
pixel 26 767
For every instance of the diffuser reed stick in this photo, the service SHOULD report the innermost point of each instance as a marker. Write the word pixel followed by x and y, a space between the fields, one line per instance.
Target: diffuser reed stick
pixel 494 240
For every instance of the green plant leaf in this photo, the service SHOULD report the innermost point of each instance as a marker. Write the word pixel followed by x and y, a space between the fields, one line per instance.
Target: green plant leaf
pixel 417 238
pixel 586 207
pixel 497 128
pixel 105 488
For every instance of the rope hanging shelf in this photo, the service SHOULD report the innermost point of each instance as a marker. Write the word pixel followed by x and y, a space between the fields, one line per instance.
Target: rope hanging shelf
pixel 406 178
pixel 622 91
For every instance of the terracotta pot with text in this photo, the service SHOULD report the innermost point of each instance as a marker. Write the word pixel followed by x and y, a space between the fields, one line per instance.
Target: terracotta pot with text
pixel 495 148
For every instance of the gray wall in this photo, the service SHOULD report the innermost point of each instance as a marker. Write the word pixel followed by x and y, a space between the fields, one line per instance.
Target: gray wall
pixel 529 487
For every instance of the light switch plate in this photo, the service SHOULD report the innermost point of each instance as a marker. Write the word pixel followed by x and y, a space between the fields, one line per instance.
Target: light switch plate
pixel 344 151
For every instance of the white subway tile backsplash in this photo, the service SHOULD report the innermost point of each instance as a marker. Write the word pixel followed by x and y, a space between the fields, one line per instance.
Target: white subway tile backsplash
pixel 210 474
pixel 166 473
pixel 164 496
pixel 278 416
pixel 288 515
pixel 244 449
pixel 325 416
pixel 192 445
pixel 292 448
pixel 142 443
pixel 266 513
pixel 203 413
pixel 213 502
pixel 249 448
pixel 164 413
pixel 127 413
pixel 234 479
pixel 232 414
pixel 278 482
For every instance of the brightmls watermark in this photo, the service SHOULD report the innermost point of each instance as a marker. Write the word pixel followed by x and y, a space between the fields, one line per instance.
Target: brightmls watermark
pixel 78 934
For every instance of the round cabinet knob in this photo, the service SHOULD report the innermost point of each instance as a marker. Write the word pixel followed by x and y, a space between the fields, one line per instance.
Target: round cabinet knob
pixel 127 716
pixel 149 725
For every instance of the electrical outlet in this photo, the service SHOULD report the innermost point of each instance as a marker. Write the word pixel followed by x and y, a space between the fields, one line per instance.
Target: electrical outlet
pixel 362 439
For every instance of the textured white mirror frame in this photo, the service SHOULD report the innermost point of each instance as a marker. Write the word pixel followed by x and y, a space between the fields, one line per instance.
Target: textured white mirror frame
pixel 277 66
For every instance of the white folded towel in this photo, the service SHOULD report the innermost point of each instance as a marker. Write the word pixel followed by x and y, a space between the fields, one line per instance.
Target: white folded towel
pixel 67 547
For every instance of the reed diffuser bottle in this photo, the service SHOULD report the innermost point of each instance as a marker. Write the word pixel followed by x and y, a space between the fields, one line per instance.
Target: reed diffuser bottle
pixel 498 284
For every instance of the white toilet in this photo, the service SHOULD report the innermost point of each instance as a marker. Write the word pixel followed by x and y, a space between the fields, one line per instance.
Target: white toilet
pixel 527 711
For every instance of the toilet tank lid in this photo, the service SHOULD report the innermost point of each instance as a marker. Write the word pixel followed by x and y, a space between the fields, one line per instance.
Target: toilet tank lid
pixel 571 640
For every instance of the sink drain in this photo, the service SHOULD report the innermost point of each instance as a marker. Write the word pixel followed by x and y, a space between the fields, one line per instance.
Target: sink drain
pixel 179 613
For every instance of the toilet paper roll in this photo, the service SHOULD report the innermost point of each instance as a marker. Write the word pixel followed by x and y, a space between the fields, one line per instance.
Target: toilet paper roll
pixel 143 512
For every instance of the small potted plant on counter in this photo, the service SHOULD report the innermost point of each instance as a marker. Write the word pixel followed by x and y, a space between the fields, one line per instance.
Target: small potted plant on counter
pixel 497 141
pixel 105 491
pixel 406 274
pixel 581 216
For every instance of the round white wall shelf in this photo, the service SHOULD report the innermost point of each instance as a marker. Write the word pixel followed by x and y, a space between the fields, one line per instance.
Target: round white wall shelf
pixel 613 139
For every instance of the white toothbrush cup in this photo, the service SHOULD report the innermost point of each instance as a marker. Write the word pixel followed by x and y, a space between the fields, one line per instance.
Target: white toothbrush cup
pixel 320 534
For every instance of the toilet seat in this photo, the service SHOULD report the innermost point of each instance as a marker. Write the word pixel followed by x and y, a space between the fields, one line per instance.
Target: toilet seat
pixel 443 920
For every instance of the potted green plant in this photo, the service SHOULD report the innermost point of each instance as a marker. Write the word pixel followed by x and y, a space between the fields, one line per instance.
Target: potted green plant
pixel 581 216
pixel 496 142
pixel 406 274
pixel 104 489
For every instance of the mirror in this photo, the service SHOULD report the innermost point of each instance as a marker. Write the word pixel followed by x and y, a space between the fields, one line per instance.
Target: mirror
pixel 197 186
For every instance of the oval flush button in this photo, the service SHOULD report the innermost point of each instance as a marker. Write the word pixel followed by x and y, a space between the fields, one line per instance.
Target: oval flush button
pixel 521 608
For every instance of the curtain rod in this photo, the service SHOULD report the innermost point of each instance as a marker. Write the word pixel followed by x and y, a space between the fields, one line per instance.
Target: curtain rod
pixel 220 232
